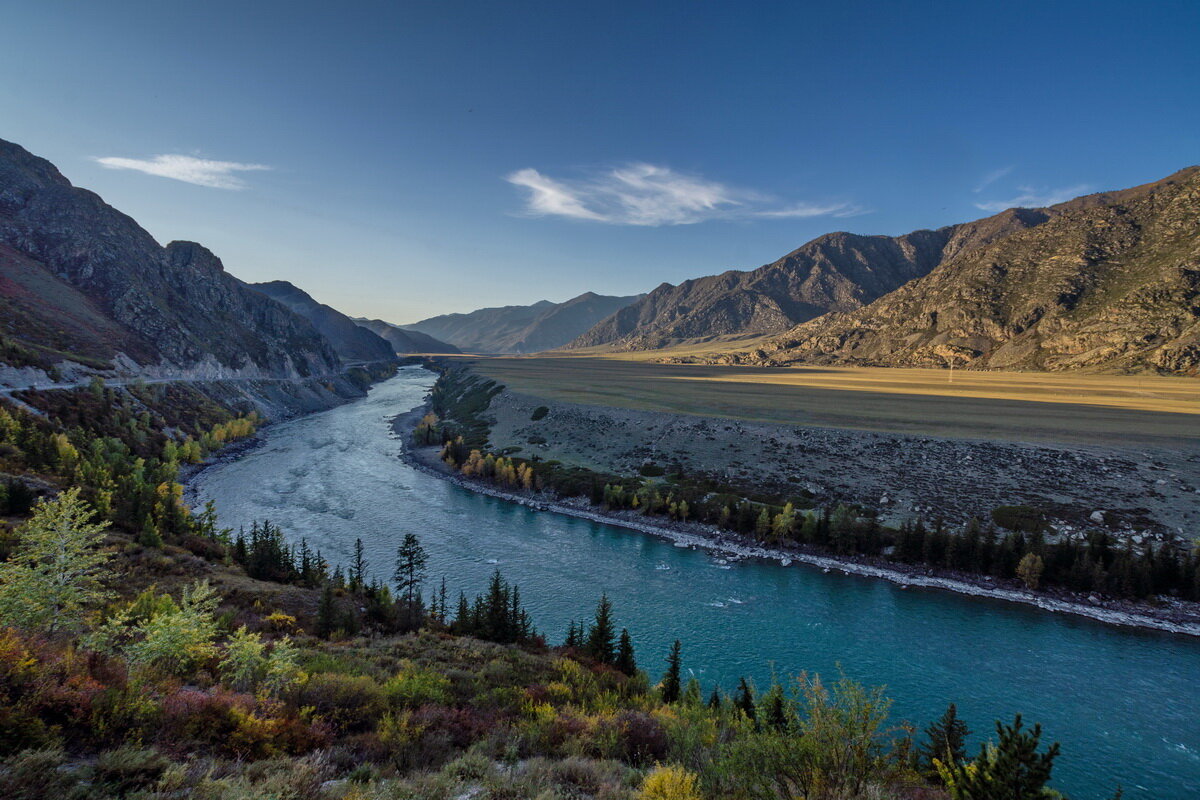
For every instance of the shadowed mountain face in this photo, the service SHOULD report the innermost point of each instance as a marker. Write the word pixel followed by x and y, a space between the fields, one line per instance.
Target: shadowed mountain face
pixel 79 280
pixel 1109 281
pixel 835 272
pixel 405 341
pixel 522 329
pixel 349 340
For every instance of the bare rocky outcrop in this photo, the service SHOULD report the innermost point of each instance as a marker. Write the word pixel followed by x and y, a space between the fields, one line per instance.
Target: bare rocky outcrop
pixel 1107 282
pixel 81 281
pixel 837 272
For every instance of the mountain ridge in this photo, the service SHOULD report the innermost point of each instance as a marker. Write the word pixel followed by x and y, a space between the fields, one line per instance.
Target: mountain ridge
pixel 540 326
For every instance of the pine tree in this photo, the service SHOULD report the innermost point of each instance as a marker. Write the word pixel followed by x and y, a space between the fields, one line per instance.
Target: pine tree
pixel 744 699
pixel 947 741
pixel 358 567
pixel 671 688
pixel 326 614
pixel 714 699
pixel 1012 768
pixel 774 707
pixel 625 661
pixel 601 635
pixel 410 571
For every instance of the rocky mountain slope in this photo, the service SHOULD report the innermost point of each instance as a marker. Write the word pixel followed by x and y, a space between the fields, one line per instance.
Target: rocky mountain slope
pixel 81 282
pixel 349 340
pixel 835 272
pixel 405 341
pixel 1108 281
pixel 522 329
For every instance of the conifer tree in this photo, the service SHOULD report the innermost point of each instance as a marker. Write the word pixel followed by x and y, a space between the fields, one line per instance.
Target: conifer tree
pixel 625 661
pixel 671 688
pixel 1011 769
pixel 326 613
pixel 410 571
pixel 601 635
pixel 358 567
pixel 744 699
pixel 714 699
pixel 946 741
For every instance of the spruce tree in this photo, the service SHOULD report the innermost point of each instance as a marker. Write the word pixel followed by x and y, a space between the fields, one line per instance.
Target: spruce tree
pixel 358 568
pixel 326 614
pixel 625 661
pixel 744 699
pixel 601 635
pixel 946 741
pixel 670 687
pixel 1012 769
pixel 714 699
pixel 410 571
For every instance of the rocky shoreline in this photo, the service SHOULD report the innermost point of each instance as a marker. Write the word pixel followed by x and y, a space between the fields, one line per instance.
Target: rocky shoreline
pixel 1173 618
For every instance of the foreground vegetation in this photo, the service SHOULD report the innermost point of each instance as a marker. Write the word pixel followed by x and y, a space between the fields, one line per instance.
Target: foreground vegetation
pixel 147 653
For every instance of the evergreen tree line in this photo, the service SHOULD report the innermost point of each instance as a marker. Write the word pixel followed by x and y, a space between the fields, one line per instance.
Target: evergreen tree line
pixel 1096 564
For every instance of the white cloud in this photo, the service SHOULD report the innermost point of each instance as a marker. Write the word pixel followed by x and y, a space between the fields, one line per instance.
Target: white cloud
pixel 649 195
pixel 189 169
pixel 991 178
pixel 1033 197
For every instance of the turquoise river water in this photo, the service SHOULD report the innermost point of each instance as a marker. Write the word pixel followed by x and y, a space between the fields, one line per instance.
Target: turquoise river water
pixel 1123 702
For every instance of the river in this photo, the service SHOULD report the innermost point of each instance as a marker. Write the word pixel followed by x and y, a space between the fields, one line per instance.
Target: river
pixel 1122 701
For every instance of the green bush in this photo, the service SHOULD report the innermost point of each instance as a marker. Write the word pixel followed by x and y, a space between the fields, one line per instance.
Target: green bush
pixel 1020 518
pixel 539 413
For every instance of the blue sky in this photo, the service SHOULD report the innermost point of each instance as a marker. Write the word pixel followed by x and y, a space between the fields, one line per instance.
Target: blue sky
pixel 406 159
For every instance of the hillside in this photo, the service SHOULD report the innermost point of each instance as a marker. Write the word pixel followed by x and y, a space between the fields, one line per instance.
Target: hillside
pixel 522 329
pixel 835 272
pixel 1109 281
pixel 349 340
pixel 405 341
pixel 82 282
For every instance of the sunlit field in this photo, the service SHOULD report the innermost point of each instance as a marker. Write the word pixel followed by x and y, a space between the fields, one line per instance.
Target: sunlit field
pixel 1022 406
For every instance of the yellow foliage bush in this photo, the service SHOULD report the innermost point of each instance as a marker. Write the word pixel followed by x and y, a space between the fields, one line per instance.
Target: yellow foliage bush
pixel 670 782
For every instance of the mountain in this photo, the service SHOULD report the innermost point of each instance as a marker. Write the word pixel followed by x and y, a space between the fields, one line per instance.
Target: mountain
pixel 82 282
pixel 522 329
pixel 349 340
pixel 405 341
pixel 1107 281
pixel 835 272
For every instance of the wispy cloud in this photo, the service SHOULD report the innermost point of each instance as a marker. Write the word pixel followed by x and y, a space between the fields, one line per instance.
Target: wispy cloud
pixel 991 178
pixel 649 195
pixel 189 169
pixel 1036 197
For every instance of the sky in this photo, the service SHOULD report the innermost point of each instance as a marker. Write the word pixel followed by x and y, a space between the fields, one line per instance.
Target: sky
pixel 406 159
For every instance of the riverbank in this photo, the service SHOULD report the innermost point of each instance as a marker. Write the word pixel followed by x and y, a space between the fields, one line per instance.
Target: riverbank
pixel 1172 618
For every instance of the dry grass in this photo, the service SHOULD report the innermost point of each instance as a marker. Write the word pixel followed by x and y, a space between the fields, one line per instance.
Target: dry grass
pixel 1103 409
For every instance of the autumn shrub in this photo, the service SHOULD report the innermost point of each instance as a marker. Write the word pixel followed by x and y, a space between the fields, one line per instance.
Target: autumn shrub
pixel 414 686
pixel 194 718
pixel 349 703
pixel 670 782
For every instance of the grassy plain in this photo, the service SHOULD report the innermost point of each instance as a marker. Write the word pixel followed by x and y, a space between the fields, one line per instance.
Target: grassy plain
pixel 1013 406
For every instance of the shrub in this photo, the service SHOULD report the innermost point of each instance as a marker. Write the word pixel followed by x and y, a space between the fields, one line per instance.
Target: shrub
pixel 670 783
pixel 34 775
pixel 349 703
pixel 128 769
pixel 539 413
pixel 1020 518
pixel 414 686
pixel 652 470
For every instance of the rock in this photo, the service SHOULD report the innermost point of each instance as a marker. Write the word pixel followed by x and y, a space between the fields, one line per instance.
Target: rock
pixel 1097 516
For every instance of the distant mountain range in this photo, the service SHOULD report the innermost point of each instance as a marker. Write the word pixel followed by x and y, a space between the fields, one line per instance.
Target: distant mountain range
pixel 81 283
pixel 349 340
pixel 405 341
pixel 1107 281
pixel 522 329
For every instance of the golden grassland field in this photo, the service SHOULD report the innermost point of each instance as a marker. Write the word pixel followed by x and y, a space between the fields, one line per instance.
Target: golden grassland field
pixel 1013 406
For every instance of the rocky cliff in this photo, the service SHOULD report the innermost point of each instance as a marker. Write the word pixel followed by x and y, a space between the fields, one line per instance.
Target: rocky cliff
pixel 835 272
pixel 1109 281
pixel 350 341
pixel 82 282
pixel 405 341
